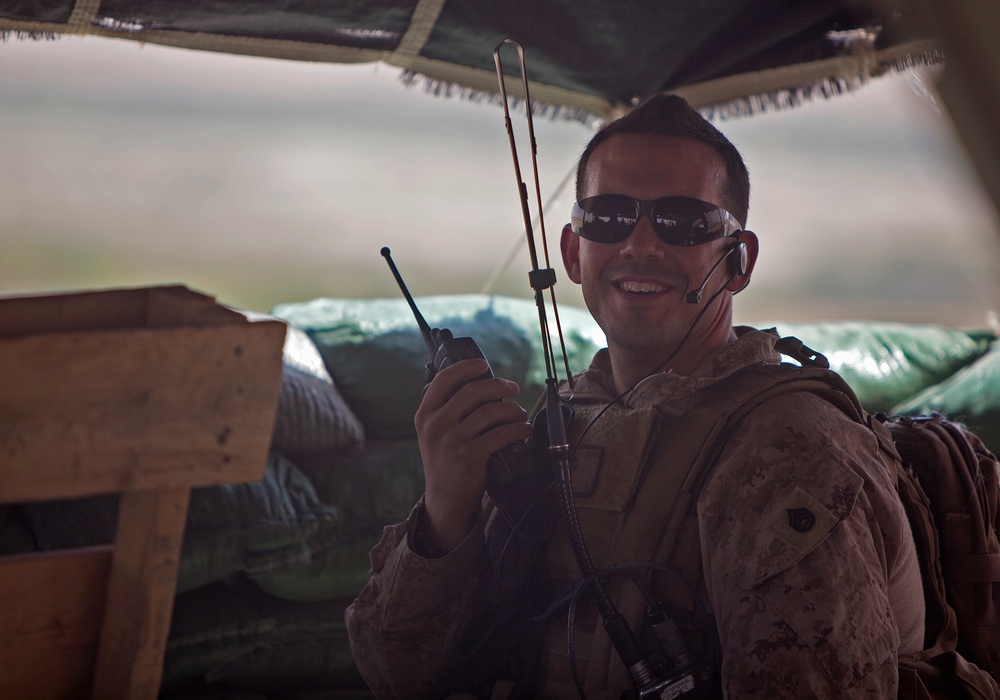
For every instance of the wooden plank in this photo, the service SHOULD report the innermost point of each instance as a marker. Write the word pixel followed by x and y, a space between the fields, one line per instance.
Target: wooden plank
pixel 81 311
pixel 178 306
pixel 50 622
pixel 145 392
pixel 141 592
pixel 108 309
pixel 106 411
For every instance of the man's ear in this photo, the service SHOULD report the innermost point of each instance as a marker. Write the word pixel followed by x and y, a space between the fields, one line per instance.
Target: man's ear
pixel 749 239
pixel 570 246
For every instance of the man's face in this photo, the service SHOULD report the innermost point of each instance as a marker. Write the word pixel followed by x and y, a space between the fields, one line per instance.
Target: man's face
pixel 636 289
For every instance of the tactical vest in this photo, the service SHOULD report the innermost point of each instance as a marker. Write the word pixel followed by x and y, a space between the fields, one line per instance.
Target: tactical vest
pixel 634 502
pixel 637 473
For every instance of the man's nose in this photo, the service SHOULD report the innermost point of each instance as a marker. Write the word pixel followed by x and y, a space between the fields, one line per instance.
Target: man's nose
pixel 643 241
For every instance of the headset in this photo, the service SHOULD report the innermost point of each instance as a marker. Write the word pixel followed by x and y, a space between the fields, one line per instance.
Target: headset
pixel 737 256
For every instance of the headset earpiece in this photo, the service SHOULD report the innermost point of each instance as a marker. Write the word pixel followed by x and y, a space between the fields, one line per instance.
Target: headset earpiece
pixel 738 259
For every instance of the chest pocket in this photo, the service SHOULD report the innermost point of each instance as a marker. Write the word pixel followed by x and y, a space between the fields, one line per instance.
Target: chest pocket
pixel 634 478
pixel 607 468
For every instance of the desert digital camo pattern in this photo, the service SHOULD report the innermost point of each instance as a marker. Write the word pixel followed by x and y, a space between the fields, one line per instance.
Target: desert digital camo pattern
pixel 798 550
pixel 404 624
pixel 809 612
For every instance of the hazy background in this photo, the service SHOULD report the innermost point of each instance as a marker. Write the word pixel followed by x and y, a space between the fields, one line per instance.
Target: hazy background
pixel 261 181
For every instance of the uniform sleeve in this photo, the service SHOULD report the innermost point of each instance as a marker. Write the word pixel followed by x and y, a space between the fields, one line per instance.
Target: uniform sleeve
pixel 794 557
pixel 405 622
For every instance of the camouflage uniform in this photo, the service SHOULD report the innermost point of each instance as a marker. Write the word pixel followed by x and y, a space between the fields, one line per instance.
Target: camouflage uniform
pixel 798 549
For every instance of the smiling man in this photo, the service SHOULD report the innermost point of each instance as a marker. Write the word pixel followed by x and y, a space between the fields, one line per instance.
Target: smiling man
pixel 791 574
pixel 637 288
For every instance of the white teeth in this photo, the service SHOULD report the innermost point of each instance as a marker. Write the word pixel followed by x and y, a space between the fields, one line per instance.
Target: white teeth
pixel 642 287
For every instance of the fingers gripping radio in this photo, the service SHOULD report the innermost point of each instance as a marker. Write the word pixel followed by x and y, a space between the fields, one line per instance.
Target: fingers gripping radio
pixel 514 473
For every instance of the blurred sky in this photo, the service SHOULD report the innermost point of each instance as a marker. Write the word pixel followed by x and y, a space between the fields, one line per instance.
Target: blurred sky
pixel 262 181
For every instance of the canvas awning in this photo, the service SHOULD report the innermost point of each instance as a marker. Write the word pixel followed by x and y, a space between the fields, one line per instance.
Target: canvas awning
pixel 586 57
pixel 592 58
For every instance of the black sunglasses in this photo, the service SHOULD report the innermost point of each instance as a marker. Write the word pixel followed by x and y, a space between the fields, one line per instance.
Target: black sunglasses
pixel 611 218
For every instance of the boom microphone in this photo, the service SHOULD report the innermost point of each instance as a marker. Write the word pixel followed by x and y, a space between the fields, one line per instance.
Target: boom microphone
pixel 695 296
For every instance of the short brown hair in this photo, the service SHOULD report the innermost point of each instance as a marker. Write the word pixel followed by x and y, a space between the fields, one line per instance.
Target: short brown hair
pixel 671 115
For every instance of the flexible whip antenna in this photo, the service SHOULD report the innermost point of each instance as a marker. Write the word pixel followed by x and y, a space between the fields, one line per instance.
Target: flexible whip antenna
pixel 615 625
pixel 425 330
pixel 539 278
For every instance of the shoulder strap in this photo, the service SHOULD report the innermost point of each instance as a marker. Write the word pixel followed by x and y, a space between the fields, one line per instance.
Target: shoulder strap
pixel 690 452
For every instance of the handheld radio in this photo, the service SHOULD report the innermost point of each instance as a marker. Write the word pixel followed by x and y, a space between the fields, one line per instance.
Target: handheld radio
pixel 512 470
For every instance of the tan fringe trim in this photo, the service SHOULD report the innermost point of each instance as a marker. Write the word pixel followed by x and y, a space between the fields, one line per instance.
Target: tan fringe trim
pixel 790 86
pixel 737 95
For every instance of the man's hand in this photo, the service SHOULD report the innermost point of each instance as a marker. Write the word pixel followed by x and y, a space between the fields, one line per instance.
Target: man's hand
pixel 460 423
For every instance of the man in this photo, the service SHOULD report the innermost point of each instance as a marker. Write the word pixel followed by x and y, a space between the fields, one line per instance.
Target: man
pixel 801 566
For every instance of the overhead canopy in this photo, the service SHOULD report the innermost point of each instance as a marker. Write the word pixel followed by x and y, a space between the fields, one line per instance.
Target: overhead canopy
pixel 585 57
pixel 591 58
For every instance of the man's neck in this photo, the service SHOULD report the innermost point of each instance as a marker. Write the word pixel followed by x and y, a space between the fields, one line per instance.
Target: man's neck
pixel 629 367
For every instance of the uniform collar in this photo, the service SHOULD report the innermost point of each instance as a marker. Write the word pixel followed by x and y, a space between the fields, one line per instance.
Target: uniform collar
pixel 751 347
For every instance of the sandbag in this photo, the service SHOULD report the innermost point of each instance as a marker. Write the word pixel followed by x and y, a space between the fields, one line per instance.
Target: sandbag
pixel 888 363
pixel 231 635
pixel 312 416
pixel 256 527
pixel 295 540
pixel 338 569
pixel 376 355
pixel 970 396
pixel 275 523
pixel 369 489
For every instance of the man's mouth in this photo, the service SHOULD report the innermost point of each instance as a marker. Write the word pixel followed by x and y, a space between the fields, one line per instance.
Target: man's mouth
pixel 641 287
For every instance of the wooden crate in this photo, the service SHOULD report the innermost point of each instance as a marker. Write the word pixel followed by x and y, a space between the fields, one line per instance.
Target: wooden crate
pixel 143 392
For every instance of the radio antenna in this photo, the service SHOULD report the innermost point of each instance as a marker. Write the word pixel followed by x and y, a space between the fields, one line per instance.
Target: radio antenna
pixel 425 330
pixel 615 624
pixel 539 278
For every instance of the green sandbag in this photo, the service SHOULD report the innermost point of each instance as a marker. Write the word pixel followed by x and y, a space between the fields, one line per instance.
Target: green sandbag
pixel 887 363
pixel 254 527
pixel 376 355
pixel 369 490
pixel 970 396
pixel 235 636
pixel 339 569
pixel 312 416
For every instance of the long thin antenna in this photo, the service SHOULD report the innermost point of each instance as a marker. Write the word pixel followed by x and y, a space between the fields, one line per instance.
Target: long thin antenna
pixel 425 330
pixel 523 190
pixel 615 625
pixel 541 279
pixel 515 248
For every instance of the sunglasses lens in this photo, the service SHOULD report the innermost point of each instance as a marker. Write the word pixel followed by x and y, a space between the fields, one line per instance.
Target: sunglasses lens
pixel 682 221
pixel 685 222
pixel 606 218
